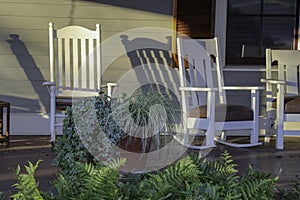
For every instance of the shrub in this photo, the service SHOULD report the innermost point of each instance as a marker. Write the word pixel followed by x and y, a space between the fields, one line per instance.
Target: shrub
pixel 87 123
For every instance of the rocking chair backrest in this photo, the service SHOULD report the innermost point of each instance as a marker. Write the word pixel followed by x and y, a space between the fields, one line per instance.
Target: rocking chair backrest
pixel 288 68
pixel 195 71
pixel 201 70
pixel 212 48
pixel 77 68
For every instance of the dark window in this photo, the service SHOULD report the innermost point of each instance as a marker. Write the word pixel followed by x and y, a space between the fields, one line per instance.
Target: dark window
pixel 195 18
pixel 254 25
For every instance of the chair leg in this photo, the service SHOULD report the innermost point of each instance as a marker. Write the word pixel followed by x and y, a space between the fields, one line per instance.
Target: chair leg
pixel 255 107
pixel 280 117
pixel 254 136
pixel 279 137
pixel 183 138
pixel 52 114
pixel 254 133
pixel 223 136
pixel 186 136
pixel 210 135
pixel 52 128
pixel 270 125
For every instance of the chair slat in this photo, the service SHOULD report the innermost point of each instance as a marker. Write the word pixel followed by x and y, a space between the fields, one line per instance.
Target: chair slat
pixel 75 64
pixel 67 66
pixel 60 64
pixel 52 32
pixel 202 78
pixel 98 61
pixel 192 77
pixel 292 77
pixel 91 64
pixel 83 64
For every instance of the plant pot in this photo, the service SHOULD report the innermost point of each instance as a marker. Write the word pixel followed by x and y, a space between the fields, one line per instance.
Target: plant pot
pixel 135 144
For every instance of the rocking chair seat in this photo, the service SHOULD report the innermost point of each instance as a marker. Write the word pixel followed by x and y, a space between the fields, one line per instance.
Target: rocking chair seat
pixel 291 104
pixel 224 112
pixel 62 102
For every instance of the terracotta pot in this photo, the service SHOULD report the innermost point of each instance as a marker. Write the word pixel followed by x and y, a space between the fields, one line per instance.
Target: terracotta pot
pixel 134 144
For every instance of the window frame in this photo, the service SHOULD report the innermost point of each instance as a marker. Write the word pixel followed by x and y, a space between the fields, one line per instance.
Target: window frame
pixel 262 16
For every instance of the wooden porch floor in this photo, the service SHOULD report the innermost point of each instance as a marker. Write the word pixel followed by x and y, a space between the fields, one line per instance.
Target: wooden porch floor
pixel 265 157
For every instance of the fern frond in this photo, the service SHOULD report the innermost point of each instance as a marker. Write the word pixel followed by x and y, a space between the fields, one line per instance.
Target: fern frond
pixel 255 188
pixel 170 182
pixel 115 164
pixel 257 184
pixel 101 181
pixel 89 169
pixel 26 183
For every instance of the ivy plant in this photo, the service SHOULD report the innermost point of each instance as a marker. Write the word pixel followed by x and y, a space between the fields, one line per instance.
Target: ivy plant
pixel 89 134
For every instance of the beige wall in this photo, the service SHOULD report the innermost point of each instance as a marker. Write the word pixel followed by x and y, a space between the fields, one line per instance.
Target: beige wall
pixel 24 43
pixel 24 48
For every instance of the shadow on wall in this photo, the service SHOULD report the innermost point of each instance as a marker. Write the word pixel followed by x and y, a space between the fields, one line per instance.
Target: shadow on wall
pixel 33 74
pixel 151 62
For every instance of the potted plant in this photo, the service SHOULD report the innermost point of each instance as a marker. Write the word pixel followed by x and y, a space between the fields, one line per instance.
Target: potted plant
pixel 144 117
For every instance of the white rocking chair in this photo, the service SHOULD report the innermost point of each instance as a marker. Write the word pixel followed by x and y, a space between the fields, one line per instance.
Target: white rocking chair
pixel 75 69
pixel 283 100
pixel 203 96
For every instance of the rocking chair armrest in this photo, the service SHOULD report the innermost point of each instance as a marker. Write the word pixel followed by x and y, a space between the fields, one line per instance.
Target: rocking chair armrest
pixel 109 85
pixel 198 89
pixel 244 88
pixel 273 81
pixel 112 84
pixel 49 83
pixel 50 87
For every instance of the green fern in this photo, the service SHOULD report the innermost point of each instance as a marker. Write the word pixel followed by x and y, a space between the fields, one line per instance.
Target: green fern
pixel 291 193
pixel 170 183
pixel 200 191
pixel 220 180
pixel 222 174
pixel 95 182
pixel 26 183
pixel 128 186
pixel 189 178
pixel 257 185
